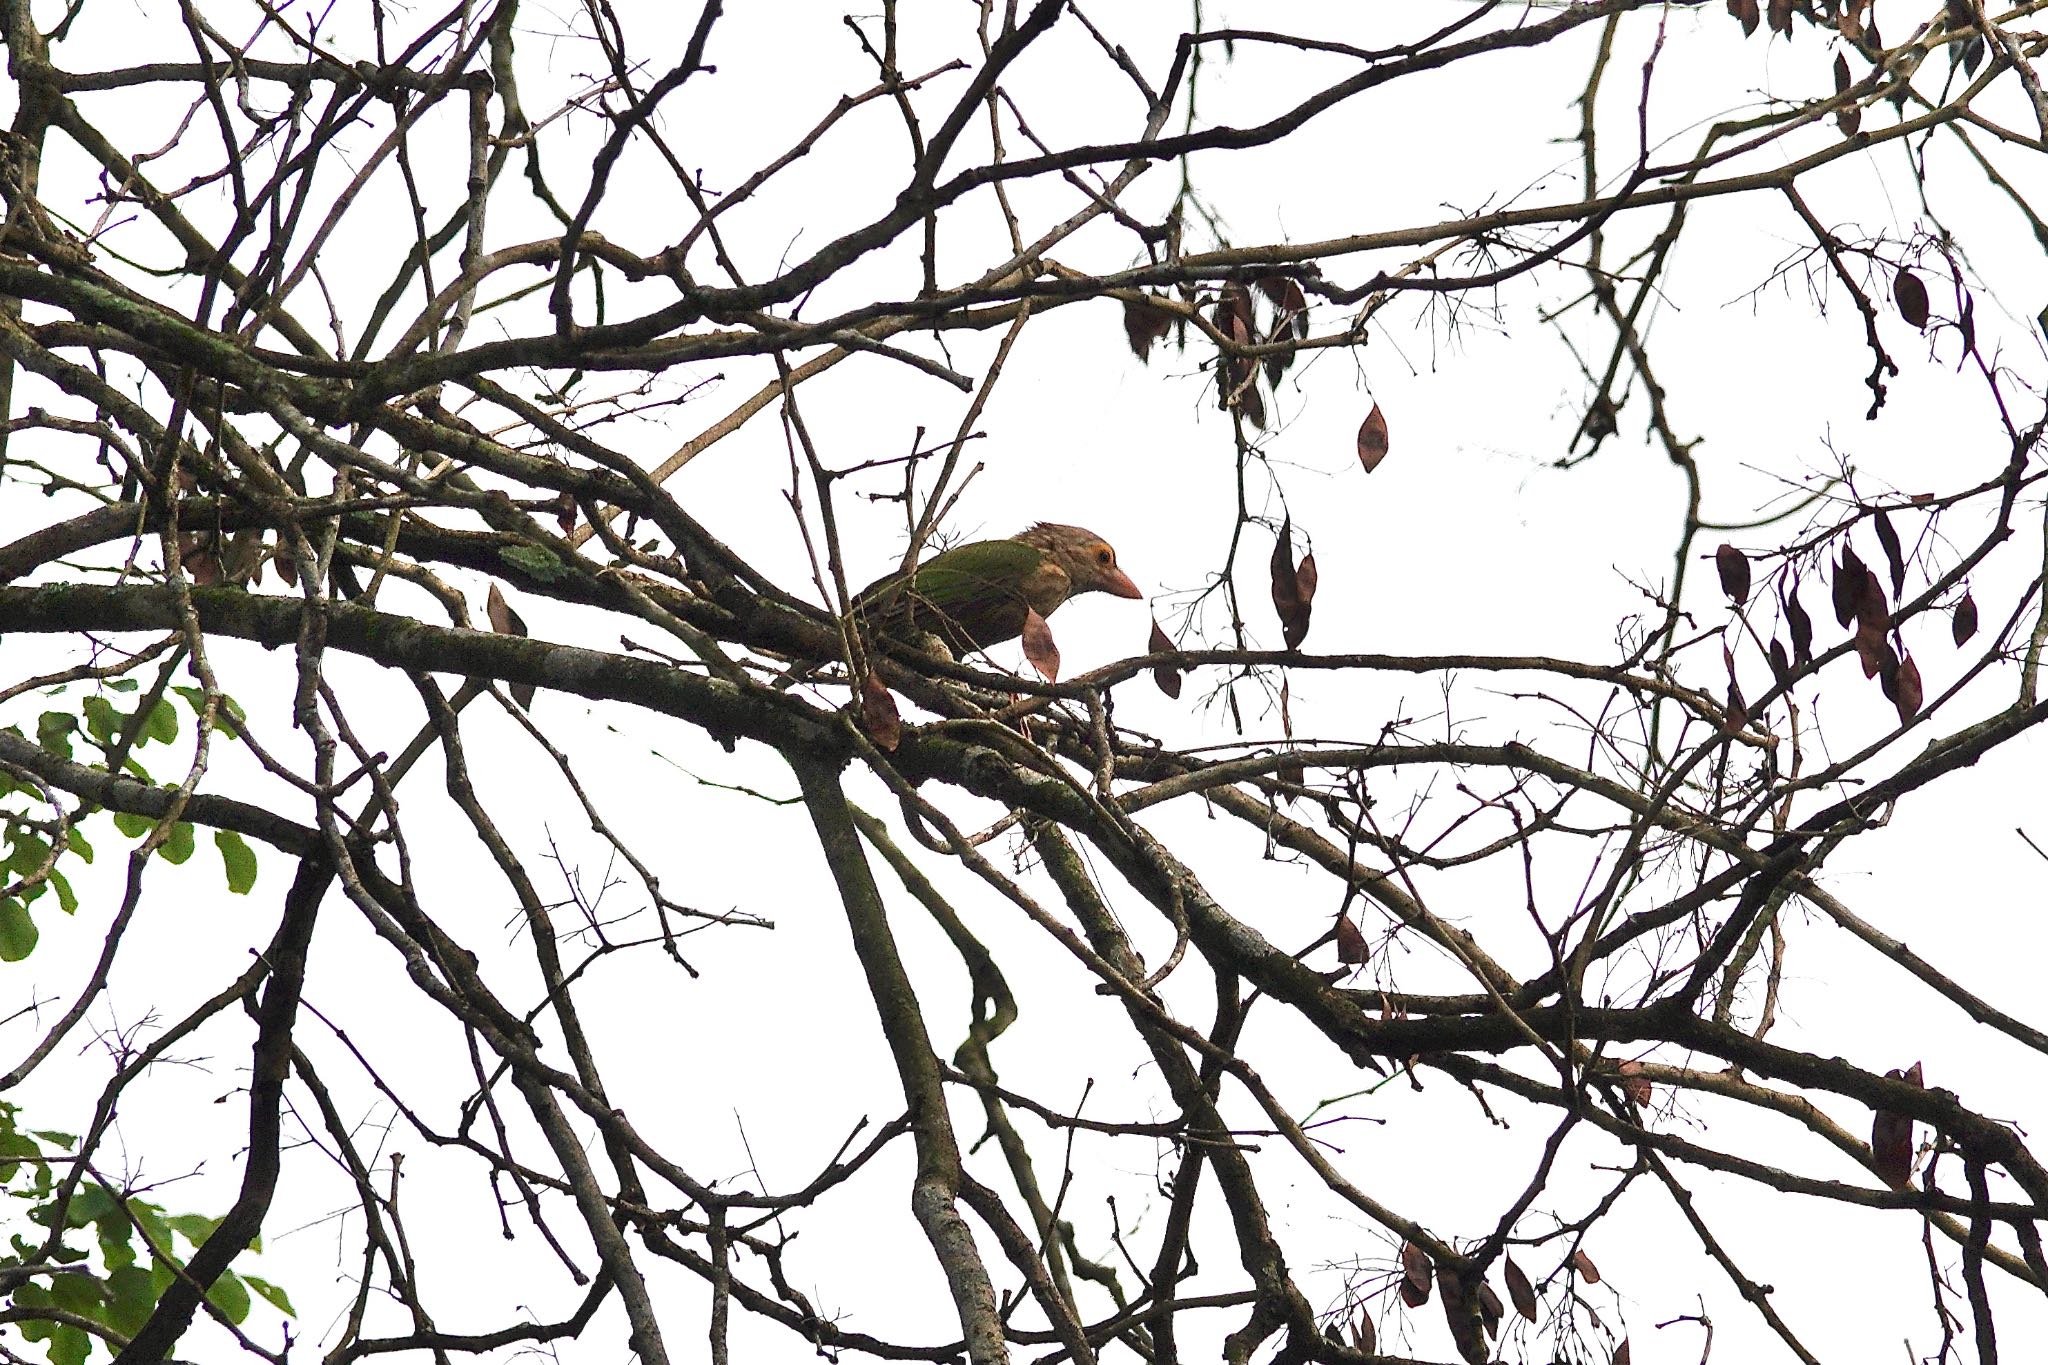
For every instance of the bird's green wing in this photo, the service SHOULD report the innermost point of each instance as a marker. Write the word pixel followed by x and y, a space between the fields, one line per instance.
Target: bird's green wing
pixel 970 596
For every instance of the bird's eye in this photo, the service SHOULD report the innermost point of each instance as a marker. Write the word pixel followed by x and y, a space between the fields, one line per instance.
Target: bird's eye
pixel 1102 556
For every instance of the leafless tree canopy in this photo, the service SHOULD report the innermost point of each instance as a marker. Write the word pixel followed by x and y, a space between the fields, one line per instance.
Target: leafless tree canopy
pixel 342 342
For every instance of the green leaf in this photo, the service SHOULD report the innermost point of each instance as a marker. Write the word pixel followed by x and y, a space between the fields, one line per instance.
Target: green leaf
pixel 133 825
pixel 162 725
pixel 17 931
pixel 78 844
pixel 132 1297
pixel 69 1346
pixel 54 730
pixel 115 1248
pixel 230 715
pixel 238 858
pixel 178 847
pixel 27 853
pixel 93 1203
pixel 230 1296
pixel 102 721
pixel 272 1295
pixel 158 1233
pixel 67 899
pixel 124 684
pixel 197 1227
pixel 80 1294
pixel 535 560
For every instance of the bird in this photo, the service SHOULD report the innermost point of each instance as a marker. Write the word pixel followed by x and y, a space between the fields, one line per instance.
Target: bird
pixel 980 594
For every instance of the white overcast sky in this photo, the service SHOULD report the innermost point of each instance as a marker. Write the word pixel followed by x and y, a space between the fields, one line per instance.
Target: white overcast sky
pixel 1464 539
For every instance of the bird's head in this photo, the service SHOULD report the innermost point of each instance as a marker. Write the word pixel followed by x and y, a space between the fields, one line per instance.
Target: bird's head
pixel 1089 561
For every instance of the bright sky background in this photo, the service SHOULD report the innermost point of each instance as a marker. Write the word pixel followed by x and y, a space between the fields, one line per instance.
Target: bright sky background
pixel 1466 539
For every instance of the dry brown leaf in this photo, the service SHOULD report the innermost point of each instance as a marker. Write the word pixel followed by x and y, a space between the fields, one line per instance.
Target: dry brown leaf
pixel 1911 297
pixel 1909 693
pixel 878 714
pixel 1372 439
pixel 1801 626
pixel 1166 676
pixel 1038 646
pixel 1145 323
pixel 506 621
pixel 1288 600
pixel 1964 624
pixel 1733 566
pixel 1416 1275
pixel 1351 946
pixel 1894 557
pixel 1520 1292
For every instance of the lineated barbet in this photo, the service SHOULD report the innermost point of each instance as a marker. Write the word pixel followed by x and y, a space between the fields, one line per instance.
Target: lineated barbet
pixel 977 595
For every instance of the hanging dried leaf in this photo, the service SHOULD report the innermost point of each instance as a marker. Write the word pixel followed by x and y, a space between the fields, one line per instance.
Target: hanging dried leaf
pixel 506 621
pixel 1964 624
pixel 1491 1310
pixel 565 511
pixel 1288 302
pixel 1290 321
pixel 503 619
pixel 1873 613
pixel 1848 585
pixel 1583 1263
pixel 1851 118
pixel 1372 439
pixel 1237 377
pixel 1145 323
pixel 1305 578
pixel 1781 667
pixel 1891 1137
pixel 287 566
pixel 1416 1275
pixel 1748 12
pixel 1621 1353
pixel 1364 1336
pixel 1291 769
pixel 1737 714
pixel 878 714
pixel 1879 660
pixel 1734 568
pixel 1894 557
pixel 1967 323
pixel 1973 54
pixel 1634 1082
pixel 1165 675
pixel 196 552
pixel 1038 646
pixel 1908 695
pixel 1249 399
pixel 1461 1314
pixel 1911 297
pixel 1521 1293
pixel 1781 17
pixel 1288 599
pixel 1351 946
pixel 1801 626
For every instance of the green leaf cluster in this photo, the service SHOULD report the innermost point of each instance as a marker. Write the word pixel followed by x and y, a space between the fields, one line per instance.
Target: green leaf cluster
pixel 112 1256
pixel 25 834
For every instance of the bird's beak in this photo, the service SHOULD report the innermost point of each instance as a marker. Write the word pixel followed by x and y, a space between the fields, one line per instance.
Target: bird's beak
pixel 1118 584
